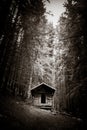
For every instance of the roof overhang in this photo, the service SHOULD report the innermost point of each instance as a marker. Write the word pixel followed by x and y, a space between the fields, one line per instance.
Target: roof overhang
pixel 44 84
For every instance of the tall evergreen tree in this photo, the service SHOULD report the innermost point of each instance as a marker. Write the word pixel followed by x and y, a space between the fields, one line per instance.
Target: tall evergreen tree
pixel 74 36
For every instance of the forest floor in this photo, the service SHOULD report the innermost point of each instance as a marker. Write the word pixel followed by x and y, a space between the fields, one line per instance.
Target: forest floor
pixel 16 114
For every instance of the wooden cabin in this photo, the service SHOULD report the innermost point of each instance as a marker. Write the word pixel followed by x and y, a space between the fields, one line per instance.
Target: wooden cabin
pixel 43 96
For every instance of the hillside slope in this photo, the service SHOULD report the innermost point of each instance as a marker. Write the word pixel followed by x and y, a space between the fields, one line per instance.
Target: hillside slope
pixel 16 114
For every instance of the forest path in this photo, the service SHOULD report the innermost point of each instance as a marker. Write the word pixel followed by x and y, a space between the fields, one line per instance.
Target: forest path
pixel 16 115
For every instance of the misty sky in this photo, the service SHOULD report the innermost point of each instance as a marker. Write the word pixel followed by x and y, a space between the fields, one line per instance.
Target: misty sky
pixel 56 8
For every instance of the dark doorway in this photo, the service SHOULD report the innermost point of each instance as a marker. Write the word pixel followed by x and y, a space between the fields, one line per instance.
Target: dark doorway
pixel 43 98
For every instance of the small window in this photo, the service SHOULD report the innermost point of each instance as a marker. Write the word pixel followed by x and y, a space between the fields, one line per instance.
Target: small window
pixel 43 98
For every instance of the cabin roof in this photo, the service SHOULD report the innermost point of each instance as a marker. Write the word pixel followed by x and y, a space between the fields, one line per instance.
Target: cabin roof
pixel 43 84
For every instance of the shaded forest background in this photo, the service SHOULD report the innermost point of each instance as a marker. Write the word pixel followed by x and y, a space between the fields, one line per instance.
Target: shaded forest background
pixel 32 51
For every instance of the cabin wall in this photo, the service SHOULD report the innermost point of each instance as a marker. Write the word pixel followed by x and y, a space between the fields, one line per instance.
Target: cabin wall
pixel 37 100
pixel 49 100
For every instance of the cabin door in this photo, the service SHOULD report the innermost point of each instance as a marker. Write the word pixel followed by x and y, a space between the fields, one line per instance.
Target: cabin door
pixel 43 98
